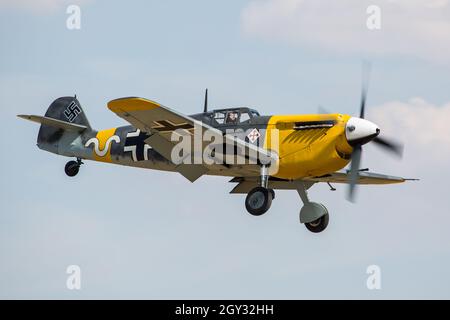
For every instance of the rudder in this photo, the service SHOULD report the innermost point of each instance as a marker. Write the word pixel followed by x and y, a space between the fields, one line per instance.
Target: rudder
pixel 66 109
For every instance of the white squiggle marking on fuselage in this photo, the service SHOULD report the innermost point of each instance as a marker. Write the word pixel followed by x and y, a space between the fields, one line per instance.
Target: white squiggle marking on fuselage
pixel 102 153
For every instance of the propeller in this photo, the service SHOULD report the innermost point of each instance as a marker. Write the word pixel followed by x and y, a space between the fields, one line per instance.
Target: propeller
pixel 365 87
pixel 393 147
pixel 388 145
pixel 354 171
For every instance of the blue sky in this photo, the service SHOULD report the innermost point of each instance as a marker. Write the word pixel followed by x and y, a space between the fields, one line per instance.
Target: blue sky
pixel 147 234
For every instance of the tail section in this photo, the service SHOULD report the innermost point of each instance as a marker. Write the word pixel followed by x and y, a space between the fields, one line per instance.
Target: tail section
pixel 67 109
pixel 63 127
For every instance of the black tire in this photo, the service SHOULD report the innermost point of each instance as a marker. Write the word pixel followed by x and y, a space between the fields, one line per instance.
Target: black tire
pixel 273 193
pixel 318 225
pixel 72 168
pixel 258 201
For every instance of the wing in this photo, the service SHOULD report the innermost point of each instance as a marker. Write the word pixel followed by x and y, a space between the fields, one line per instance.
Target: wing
pixel 245 184
pixel 163 124
pixel 364 178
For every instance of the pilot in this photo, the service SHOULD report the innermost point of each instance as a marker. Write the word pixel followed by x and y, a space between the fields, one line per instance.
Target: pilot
pixel 232 117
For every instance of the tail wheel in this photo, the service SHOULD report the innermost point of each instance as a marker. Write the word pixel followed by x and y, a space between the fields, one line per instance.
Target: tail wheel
pixel 72 168
pixel 318 225
pixel 258 201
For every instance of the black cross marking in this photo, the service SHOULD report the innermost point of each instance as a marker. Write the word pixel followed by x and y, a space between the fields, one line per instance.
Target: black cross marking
pixel 167 126
pixel 72 111
pixel 139 142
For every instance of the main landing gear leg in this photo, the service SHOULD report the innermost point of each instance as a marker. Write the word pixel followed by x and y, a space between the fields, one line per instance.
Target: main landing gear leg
pixel 313 215
pixel 73 167
pixel 259 199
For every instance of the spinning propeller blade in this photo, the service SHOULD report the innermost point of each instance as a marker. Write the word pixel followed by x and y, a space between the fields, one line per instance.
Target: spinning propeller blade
pixel 391 146
pixel 365 87
pixel 354 171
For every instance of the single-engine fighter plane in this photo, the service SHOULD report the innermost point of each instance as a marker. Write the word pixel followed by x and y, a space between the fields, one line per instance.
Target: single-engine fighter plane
pixel 298 150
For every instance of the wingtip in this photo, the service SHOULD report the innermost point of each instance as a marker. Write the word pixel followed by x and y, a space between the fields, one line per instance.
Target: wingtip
pixel 131 104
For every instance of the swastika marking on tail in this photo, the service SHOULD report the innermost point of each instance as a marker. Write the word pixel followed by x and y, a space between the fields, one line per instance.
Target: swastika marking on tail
pixel 72 111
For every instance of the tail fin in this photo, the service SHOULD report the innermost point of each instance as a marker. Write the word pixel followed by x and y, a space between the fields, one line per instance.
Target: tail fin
pixel 67 109
pixel 64 109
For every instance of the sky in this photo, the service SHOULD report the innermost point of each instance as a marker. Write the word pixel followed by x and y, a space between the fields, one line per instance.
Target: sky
pixel 142 234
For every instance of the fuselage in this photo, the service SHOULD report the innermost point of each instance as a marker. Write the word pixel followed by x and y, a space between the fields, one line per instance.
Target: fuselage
pixel 307 145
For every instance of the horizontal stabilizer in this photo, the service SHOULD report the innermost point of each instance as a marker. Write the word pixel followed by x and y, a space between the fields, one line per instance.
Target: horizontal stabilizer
pixel 54 123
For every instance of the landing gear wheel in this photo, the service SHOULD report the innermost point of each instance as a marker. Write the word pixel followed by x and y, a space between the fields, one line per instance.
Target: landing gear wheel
pixel 72 168
pixel 258 201
pixel 318 225
pixel 273 193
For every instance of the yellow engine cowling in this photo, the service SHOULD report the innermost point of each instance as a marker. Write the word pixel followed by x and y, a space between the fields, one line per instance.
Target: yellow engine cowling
pixel 309 145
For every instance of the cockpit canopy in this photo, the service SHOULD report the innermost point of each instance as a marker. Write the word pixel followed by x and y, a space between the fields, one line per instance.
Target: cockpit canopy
pixel 233 115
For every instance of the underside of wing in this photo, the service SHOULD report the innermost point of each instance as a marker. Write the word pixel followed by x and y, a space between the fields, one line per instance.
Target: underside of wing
pixel 364 178
pixel 245 184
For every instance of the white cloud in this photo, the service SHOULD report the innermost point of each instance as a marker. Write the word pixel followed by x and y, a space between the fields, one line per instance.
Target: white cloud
pixel 419 28
pixel 38 6
pixel 422 126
